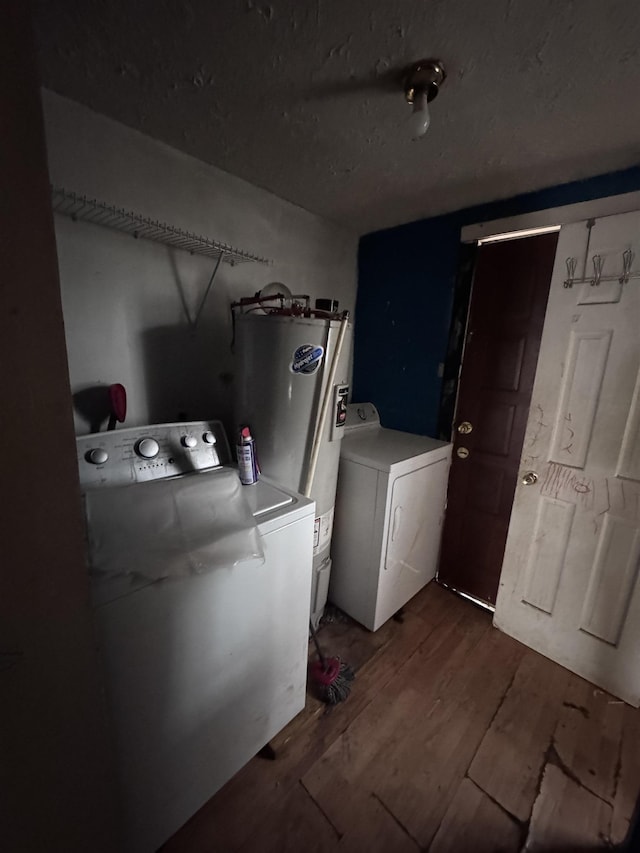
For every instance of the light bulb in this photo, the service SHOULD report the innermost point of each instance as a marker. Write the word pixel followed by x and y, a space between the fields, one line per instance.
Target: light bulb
pixel 420 117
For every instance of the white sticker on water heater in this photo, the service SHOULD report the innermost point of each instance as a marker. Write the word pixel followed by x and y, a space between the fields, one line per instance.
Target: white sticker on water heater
pixel 306 359
pixel 322 529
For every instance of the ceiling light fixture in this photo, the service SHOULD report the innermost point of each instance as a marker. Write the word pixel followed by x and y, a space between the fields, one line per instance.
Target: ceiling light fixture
pixel 421 85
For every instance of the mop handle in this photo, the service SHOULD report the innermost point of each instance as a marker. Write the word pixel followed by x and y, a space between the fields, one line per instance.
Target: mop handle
pixel 315 450
pixel 317 645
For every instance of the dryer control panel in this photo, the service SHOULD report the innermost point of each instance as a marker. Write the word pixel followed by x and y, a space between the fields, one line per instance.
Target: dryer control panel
pixel 361 416
pixel 138 454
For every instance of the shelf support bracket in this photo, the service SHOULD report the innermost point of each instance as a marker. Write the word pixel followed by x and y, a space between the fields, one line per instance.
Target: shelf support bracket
pixel 206 293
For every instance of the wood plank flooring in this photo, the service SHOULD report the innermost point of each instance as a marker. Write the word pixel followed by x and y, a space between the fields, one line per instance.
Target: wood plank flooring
pixel 455 738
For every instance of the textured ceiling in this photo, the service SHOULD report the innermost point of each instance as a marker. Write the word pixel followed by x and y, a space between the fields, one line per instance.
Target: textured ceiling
pixel 302 96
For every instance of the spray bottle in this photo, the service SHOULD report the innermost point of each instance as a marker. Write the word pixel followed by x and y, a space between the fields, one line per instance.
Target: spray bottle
pixel 247 461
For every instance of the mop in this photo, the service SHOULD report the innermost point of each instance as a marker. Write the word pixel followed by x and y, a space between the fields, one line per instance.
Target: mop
pixel 331 675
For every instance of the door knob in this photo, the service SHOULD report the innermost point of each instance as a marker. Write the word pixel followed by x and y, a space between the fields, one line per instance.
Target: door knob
pixel 465 428
pixel 529 478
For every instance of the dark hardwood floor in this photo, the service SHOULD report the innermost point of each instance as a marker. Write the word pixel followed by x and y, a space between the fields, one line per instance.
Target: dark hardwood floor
pixel 455 738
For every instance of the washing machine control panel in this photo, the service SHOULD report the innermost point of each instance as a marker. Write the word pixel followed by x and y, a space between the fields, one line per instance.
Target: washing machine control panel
pixel 139 454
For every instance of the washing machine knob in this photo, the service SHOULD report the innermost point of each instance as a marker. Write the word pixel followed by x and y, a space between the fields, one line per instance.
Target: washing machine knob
pixel 148 448
pixel 209 437
pixel 189 440
pixel 97 456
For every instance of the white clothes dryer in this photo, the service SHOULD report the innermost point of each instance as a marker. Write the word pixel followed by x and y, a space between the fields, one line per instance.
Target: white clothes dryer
pixel 390 506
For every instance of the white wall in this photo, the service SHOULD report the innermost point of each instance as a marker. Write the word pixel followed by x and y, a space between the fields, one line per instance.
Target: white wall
pixel 125 301
pixel 57 774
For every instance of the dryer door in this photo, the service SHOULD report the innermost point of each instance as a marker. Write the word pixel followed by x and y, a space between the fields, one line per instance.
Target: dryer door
pixel 413 537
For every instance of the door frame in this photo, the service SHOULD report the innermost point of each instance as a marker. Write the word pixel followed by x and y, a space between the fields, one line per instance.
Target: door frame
pixel 550 216
pixel 547 218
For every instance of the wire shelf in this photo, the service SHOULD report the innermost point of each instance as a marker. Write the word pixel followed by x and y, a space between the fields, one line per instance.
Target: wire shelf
pixel 83 209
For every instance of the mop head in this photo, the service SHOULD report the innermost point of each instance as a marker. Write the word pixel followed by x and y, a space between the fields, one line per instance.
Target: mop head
pixel 333 680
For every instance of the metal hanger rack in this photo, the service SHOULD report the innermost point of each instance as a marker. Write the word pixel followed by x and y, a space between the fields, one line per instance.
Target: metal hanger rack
pixel 81 208
pixel 598 266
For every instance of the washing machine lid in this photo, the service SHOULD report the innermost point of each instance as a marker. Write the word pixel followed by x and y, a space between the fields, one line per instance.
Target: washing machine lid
pixel 264 497
pixel 383 448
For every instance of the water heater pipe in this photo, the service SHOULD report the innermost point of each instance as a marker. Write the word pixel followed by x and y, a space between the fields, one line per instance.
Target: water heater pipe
pixel 326 402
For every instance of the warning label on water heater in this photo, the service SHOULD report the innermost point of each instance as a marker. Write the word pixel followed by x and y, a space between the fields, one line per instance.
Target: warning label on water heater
pixel 306 359
pixel 322 528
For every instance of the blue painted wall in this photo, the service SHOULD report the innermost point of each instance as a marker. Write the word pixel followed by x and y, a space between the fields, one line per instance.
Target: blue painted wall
pixel 405 289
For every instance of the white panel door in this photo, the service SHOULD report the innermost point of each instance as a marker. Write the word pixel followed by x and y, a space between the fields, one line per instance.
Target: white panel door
pixel 569 585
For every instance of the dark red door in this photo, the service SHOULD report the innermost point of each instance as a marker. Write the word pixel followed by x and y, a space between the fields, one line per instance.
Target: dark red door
pixel 508 302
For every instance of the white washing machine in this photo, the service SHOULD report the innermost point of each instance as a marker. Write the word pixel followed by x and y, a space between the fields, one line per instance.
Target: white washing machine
pixel 204 646
pixel 390 506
